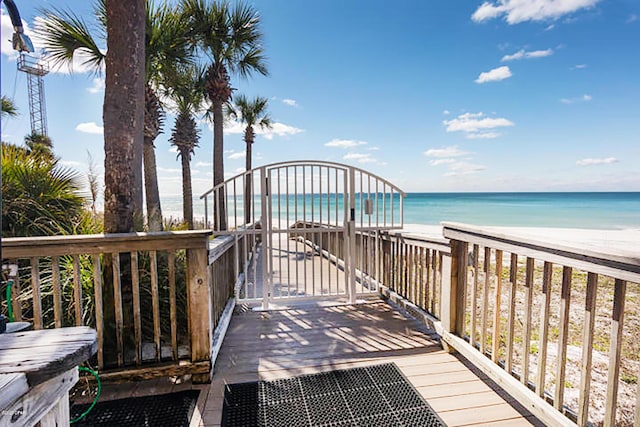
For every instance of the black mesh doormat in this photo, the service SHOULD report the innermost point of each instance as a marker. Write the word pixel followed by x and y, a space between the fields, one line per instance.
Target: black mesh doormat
pixel 371 396
pixel 170 410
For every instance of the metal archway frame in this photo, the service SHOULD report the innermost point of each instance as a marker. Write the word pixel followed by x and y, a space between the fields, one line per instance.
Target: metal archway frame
pixel 298 216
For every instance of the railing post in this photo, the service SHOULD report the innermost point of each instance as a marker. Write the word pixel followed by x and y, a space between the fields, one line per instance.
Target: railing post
pixel 199 292
pixel 453 287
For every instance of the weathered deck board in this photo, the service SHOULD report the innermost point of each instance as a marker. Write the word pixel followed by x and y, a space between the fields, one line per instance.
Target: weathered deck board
pixel 311 339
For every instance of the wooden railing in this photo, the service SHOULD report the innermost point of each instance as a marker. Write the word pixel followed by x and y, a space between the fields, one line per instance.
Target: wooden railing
pixel 153 298
pixel 555 326
pixel 408 265
pixel 554 317
pixel 411 267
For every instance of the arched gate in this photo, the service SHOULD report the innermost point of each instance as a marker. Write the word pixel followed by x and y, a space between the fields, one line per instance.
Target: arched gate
pixel 304 229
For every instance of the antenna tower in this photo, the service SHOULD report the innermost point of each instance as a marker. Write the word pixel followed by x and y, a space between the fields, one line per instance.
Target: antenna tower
pixel 36 69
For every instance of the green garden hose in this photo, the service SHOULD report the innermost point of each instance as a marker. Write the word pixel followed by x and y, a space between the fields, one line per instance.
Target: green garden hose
pixel 9 305
pixel 95 400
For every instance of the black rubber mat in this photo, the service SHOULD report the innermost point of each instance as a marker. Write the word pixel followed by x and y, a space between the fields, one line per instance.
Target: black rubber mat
pixel 170 410
pixel 372 396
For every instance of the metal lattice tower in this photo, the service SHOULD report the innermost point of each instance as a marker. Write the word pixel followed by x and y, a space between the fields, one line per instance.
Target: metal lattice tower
pixel 35 69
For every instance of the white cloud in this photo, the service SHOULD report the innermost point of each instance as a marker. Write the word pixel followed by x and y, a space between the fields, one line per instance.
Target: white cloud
pixel 483 135
pixel 632 18
pixel 522 54
pixel 344 143
pixel 452 151
pixel 290 102
pixel 98 85
pixel 237 155
pixel 464 168
pixel 277 129
pixel 360 157
pixel 579 66
pixel 441 162
pixel 90 127
pixel 446 156
pixel 516 11
pixel 477 125
pixel 173 149
pixel 204 164
pixel 583 98
pixel 494 75
pixel 592 162
pixel 446 112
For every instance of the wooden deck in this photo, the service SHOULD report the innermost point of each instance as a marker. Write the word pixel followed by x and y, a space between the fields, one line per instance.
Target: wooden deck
pixel 310 339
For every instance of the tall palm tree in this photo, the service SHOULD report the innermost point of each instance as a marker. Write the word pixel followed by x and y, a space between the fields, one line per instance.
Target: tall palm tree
pixel 9 108
pixel 185 88
pixel 231 39
pixel 167 47
pixel 123 114
pixel 64 36
pixel 252 113
pixel 166 44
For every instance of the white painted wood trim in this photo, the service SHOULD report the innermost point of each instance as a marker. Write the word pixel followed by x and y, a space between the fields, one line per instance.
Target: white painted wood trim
pixel 221 331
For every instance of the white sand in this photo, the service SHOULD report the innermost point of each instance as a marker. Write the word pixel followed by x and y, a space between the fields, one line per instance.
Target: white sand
pixel 625 243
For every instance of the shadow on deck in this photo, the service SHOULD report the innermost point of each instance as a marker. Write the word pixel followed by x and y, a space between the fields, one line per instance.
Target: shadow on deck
pixel 311 339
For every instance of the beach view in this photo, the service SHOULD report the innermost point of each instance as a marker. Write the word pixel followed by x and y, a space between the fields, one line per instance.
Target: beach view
pixel 279 213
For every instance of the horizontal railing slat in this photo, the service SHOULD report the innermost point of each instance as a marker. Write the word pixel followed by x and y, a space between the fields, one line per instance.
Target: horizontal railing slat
pixel 24 247
pixel 625 268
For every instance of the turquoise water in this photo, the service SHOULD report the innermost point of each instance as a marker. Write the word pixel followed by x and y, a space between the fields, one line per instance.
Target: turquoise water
pixel 573 210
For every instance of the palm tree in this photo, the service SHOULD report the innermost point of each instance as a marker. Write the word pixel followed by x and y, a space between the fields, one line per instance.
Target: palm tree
pixel 123 114
pixel 166 44
pixel 64 35
pixel 251 113
pixel 39 196
pixel 9 109
pixel 185 88
pixel 231 39
pixel 167 47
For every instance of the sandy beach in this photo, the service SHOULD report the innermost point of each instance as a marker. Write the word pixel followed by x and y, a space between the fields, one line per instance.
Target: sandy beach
pixel 624 243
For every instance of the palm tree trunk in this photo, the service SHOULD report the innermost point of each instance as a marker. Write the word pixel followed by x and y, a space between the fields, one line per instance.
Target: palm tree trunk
pixel 153 116
pixel 123 116
pixel 247 185
pixel 220 217
pixel 154 212
pixel 137 196
pixel 187 192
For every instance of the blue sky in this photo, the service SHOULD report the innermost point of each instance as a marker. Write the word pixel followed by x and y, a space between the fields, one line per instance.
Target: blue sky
pixel 436 96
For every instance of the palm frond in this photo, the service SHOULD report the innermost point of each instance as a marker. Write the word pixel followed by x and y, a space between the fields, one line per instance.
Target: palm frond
pixel 251 61
pixel 252 112
pixel 9 108
pixel 167 41
pixel 64 34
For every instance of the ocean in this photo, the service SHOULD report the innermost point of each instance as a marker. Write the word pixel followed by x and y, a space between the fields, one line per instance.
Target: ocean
pixel 595 210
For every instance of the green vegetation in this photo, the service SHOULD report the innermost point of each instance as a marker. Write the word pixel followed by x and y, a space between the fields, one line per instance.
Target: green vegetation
pixel 40 197
pixel 9 109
